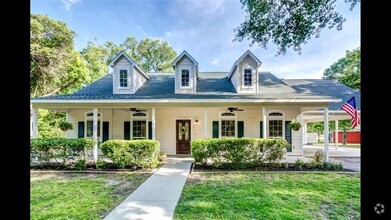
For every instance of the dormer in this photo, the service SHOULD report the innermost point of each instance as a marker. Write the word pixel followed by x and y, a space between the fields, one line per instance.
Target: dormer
pixel 128 77
pixel 186 73
pixel 244 73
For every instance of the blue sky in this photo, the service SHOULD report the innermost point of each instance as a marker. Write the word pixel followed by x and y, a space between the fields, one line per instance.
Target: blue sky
pixel 202 27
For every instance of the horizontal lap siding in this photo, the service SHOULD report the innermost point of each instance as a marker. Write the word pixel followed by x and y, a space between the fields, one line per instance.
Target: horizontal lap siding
pixel 139 80
pixel 188 64
pixel 122 63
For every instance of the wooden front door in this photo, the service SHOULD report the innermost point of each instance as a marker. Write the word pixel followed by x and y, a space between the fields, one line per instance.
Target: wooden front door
pixel 183 136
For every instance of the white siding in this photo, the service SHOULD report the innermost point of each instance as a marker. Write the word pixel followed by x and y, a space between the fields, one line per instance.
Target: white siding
pixel 139 80
pixel 122 63
pixel 185 63
pixel 246 62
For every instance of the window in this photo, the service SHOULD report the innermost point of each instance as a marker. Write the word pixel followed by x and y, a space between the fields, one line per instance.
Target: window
pixel 139 125
pixel 123 78
pixel 89 121
pixel 276 125
pixel 227 124
pixel 185 76
pixel 247 77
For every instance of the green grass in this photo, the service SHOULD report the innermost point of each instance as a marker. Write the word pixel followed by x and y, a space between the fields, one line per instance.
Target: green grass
pixel 79 196
pixel 268 195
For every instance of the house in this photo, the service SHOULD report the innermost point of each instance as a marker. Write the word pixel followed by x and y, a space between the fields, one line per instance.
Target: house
pixel 175 108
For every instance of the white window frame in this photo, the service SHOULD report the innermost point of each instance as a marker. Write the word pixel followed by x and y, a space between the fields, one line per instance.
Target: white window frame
pixel 276 118
pixel 223 118
pixel 252 76
pixel 91 118
pixel 119 78
pixel 180 78
pixel 139 118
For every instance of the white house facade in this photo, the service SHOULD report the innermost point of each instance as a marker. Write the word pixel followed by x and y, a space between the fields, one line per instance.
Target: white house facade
pixel 175 108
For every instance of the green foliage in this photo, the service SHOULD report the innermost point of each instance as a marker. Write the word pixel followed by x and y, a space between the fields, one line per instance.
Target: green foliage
pixel 46 149
pixel 288 24
pixel 318 127
pixel 238 150
pixel 299 164
pixel 133 153
pixel 346 70
pixel 101 164
pixel 81 164
pixel 333 166
pixel 65 126
pixel 319 156
pixel 156 55
pixel 284 165
pixel 48 121
pixel 54 64
pixel 294 125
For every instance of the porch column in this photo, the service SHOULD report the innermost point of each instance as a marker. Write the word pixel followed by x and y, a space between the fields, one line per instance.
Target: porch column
pixel 34 122
pixel 302 133
pixel 153 123
pixel 336 135
pixel 326 133
pixel 205 122
pixel 95 133
pixel 305 133
pixel 264 122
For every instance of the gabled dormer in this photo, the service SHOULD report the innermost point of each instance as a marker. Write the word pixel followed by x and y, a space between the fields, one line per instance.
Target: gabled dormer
pixel 244 73
pixel 128 77
pixel 186 73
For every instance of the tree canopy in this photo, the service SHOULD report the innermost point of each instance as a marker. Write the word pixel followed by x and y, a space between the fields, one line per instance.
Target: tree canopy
pixel 347 69
pixel 288 23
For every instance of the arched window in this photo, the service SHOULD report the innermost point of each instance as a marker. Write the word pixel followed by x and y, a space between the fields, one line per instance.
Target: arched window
pixel 227 124
pixel 139 125
pixel 89 121
pixel 276 122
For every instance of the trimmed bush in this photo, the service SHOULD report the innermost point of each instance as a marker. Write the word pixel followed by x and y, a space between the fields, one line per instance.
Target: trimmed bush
pixel 52 148
pixel 238 150
pixel 81 164
pixel 299 164
pixel 100 164
pixel 133 153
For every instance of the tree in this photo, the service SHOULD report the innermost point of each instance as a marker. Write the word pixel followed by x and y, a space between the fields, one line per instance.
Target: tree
pixel 287 23
pixel 318 127
pixel 54 64
pixel 347 69
pixel 155 55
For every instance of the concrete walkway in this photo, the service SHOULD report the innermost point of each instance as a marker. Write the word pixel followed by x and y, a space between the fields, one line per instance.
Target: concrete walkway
pixel 158 196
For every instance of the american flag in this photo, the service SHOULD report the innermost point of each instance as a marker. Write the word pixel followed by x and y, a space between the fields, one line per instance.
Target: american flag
pixel 351 108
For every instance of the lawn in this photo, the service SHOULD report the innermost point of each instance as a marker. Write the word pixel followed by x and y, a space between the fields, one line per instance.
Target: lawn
pixel 270 195
pixel 79 196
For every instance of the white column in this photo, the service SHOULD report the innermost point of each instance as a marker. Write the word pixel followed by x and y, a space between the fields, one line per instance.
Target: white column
pixel 153 123
pixel 326 133
pixel 302 133
pixel 35 122
pixel 336 134
pixel 95 133
pixel 264 122
pixel 305 133
pixel 205 122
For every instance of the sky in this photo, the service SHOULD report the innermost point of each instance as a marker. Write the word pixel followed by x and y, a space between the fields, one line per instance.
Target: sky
pixel 204 28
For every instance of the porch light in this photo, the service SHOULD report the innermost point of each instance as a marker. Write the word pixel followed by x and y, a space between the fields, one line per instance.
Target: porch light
pixel 196 122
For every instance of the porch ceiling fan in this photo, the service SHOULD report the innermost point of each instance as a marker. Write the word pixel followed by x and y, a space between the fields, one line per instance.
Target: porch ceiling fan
pixel 231 109
pixel 134 110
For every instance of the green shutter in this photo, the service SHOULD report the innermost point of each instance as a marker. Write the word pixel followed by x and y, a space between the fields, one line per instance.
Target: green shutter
pixel 127 130
pixel 150 130
pixel 261 129
pixel 288 135
pixel 80 131
pixel 215 129
pixel 105 136
pixel 240 129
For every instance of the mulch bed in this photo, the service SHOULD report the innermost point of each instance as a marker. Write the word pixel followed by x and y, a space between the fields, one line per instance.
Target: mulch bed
pixel 90 167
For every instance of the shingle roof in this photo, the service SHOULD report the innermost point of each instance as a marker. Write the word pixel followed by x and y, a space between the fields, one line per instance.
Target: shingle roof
pixel 215 85
pixel 325 87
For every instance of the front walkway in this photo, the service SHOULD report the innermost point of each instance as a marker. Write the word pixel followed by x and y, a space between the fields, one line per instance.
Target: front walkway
pixel 158 196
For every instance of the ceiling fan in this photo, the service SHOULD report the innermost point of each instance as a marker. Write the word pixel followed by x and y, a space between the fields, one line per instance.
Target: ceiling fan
pixel 135 110
pixel 231 109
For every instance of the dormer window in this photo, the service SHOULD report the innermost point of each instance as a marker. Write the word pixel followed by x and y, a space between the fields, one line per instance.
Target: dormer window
pixel 247 78
pixel 123 78
pixel 185 76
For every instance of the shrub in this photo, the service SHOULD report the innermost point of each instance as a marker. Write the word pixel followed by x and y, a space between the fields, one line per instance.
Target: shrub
pixel 51 148
pixel 319 156
pixel 299 164
pixel 284 165
pixel 334 166
pixel 238 150
pixel 100 164
pixel 133 153
pixel 80 164
pixel 312 164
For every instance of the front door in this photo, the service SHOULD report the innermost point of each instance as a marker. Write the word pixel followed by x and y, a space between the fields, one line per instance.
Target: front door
pixel 183 136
